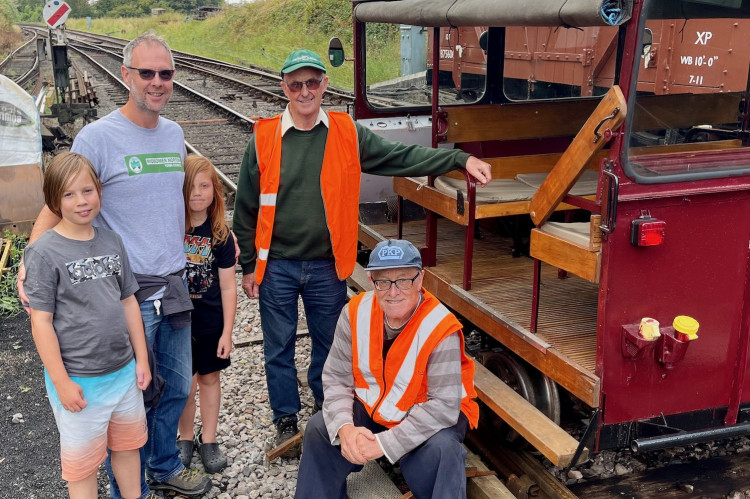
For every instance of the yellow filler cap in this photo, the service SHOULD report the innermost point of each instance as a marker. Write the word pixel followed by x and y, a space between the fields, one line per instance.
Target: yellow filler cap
pixel 687 326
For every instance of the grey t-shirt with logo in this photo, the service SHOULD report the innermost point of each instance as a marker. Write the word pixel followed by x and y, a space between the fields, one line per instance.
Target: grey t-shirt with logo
pixel 142 174
pixel 82 284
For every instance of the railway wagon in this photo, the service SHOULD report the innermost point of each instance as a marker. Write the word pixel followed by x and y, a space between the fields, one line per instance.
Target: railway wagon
pixel 604 273
pixel 550 62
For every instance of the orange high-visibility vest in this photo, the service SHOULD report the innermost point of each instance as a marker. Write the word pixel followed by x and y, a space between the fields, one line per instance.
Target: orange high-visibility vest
pixel 389 389
pixel 339 185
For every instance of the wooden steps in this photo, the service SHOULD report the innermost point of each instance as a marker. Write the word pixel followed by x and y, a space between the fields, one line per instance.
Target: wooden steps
pixel 547 437
pixel 484 487
pixel 358 280
pixel 373 483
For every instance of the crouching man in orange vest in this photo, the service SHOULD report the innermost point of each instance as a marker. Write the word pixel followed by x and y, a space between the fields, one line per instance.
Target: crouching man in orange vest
pixel 397 384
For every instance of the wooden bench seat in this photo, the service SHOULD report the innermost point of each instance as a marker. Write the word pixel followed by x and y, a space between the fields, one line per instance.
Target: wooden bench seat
pixel 504 190
pixel 572 247
pixel 515 180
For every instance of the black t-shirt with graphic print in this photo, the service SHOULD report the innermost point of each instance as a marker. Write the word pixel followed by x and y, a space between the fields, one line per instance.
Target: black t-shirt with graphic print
pixel 204 259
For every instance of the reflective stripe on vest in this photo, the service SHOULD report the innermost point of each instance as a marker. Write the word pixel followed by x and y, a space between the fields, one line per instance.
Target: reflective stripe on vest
pixel 388 408
pixel 370 394
pixel 431 324
pixel 339 185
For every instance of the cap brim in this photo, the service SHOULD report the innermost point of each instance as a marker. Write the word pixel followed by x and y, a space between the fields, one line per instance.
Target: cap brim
pixel 295 67
pixel 394 267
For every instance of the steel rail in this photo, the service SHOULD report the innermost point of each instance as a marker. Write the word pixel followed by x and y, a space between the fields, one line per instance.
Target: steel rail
pixel 28 74
pixel 10 56
pixel 535 479
pixel 39 102
pixel 185 57
pixel 243 84
pixel 205 98
pixel 222 176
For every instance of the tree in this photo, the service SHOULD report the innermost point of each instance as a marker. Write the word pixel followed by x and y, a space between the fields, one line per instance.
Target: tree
pixel 9 37
pixel 80 8
pixel 8 14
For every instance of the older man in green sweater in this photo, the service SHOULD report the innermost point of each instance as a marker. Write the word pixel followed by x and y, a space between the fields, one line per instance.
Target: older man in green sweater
pixel 296 215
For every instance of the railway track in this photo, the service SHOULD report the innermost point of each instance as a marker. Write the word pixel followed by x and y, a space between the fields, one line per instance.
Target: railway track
pixel 215 102
pixel 22 64
pixel 252 74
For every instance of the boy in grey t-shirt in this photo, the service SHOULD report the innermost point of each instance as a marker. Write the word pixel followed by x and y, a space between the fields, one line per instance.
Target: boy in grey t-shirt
pixel 87 327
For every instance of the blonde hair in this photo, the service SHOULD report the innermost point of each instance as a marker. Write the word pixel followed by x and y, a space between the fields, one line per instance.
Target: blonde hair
pixel 194 165
pixel 60 173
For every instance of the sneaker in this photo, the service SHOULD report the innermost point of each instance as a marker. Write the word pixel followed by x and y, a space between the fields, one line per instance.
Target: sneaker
pixel 286 428
pixel 187 482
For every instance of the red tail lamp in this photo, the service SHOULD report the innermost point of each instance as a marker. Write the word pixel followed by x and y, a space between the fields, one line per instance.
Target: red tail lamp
pixel 647 231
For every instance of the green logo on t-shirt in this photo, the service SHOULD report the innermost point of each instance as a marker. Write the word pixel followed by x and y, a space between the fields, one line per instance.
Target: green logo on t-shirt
pixel 139 164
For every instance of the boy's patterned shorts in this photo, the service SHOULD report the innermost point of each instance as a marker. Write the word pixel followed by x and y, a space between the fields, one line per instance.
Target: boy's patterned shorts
pixel 114 417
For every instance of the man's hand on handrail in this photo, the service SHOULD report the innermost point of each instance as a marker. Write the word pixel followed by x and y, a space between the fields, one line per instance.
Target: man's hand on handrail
pixel 479 169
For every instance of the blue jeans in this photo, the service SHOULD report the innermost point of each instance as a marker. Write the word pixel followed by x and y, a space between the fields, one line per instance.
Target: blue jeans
pixel 323 296
pixel 160 457
pixel 434 470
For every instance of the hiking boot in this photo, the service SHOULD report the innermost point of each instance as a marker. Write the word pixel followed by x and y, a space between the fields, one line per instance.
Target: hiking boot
pixel 187 482
pixel 286 428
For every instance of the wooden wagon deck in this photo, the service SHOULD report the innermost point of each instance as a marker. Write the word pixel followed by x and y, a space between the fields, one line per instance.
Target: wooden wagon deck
pixel 499 302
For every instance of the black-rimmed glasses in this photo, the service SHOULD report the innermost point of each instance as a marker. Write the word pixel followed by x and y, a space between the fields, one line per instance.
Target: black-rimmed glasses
pixel 402 284
pixel 311 84
pixel 148 74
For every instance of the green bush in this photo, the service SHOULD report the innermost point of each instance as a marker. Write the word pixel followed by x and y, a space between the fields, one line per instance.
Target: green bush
pixel 9 304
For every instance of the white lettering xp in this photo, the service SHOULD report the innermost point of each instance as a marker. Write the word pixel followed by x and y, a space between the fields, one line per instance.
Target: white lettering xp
pixel 703 37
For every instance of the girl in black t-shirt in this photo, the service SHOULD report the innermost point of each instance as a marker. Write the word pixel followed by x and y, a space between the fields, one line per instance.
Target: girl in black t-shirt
pixel 209 247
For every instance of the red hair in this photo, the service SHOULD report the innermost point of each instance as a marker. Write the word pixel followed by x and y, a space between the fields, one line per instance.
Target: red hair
pixel 194 165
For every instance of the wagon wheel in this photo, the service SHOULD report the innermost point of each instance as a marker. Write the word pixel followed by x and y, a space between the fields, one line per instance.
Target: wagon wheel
pixel 531 384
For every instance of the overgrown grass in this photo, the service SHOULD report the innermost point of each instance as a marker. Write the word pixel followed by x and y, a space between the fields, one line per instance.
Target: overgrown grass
pixel 262 32
pixel 10 38
pixel 9 304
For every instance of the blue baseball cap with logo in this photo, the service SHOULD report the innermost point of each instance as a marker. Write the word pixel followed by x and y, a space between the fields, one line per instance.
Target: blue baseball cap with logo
pixel 394 254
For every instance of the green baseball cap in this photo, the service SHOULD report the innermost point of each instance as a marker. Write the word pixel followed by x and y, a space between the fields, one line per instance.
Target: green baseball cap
pixel 302 59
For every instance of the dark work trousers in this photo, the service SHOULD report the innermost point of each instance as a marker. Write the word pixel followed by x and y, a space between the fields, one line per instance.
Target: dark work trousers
pixel 435 469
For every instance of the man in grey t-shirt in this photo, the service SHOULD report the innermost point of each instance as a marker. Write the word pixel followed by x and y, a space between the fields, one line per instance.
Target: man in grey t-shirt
pixel 139 157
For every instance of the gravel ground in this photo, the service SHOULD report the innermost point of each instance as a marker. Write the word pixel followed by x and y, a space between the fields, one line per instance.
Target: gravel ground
pixel 29 451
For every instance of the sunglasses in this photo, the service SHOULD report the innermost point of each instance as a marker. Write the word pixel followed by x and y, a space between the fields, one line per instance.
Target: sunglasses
pixel 148 74
pixel 311 84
